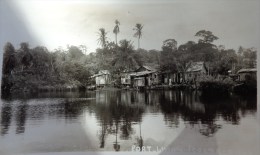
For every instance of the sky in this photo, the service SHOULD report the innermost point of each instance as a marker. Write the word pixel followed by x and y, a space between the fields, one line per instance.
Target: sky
pixel 55 23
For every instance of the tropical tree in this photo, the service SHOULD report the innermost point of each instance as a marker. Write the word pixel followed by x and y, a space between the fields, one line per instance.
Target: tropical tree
pixel 227 61
pixel 138 34
pixel 116 29
pixel 187 47
pixel 102 40
pixel 126 59
pixel 41 60
pixel 8 58
pixel 168 56
pixel 207 36
pixel 75 53
pixel 247 57
pixel 169 44
pixel 9 63
pixel 25 56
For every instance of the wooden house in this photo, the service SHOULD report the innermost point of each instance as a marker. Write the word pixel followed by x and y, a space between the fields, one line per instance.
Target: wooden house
pixel 144 76
pixel 195 71
pixel 126 78
pixel 247 74
pixel 170 78
pixel 102 78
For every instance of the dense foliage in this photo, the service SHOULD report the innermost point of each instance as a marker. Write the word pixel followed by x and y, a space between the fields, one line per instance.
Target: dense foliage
pixel 72 67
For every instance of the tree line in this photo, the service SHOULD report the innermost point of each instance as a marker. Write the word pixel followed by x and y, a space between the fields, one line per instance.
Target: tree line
pixel 38 66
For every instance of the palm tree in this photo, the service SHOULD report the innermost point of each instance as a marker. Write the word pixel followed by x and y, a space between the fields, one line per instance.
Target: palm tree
pixel 102 40
pixel 138 28
pixel 116 29
pixel 126 59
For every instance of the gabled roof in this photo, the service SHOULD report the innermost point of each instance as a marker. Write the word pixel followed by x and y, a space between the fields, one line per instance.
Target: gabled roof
pixel 196 66
pixel 142 73
pixel 103 72
pixel 148 67
pixel 247 70
pixel 100 73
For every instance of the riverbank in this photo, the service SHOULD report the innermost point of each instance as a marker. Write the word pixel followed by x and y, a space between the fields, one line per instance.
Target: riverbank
pixel 25 82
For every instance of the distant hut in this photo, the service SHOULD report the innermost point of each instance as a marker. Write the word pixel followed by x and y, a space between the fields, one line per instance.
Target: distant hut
pixel 195 71
pixel 102 78
pixel 170 78
pixel 144 76
pixel 247 74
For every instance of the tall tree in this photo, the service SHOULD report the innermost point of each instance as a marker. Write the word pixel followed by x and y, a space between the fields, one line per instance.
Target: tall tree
pixel 170 44
pixel 102 40
pixel 8 58
pixel 168 57
pixel 9 62
pixel 126 59
pixel 25 55
pixel 247 57
pixel 207 36
pixel 138 34
pixel 116 29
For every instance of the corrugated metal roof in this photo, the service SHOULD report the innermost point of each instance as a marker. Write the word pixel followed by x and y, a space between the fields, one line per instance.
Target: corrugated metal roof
pixel 100 73
pixel 247 70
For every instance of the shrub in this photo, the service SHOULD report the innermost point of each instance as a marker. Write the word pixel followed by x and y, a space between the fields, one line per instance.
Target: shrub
pixel 215 86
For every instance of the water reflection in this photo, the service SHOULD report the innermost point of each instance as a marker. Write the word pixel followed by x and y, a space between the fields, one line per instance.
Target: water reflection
pixel 6 116
pixel 119 114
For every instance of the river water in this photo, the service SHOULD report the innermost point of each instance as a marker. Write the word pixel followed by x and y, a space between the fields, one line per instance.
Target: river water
pixel 157 121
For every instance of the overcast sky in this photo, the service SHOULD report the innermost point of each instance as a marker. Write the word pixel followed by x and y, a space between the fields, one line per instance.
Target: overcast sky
pixel 58 23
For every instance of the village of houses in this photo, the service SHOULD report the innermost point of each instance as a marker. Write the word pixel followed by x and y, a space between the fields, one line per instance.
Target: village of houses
pixel 150 77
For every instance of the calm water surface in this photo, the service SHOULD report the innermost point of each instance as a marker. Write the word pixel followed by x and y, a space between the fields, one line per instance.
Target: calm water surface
pixel 175 121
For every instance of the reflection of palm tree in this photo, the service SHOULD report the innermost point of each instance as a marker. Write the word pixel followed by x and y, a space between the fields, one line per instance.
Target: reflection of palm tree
pixel 6 118
pixel 116 145
pixel 138 28
pixel 140 139
pixel 140 142
pixel 21 118
pixel 103 135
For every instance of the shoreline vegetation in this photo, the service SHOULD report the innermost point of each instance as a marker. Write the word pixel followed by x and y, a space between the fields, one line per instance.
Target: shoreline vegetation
pixel 70 69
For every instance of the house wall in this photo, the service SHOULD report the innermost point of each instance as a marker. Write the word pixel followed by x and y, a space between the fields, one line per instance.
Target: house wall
pixel 153 79
pixel 139 82
pixel 244 76
pixel 126 79
pixel 102 80
pixel 194 76
pixel 171 78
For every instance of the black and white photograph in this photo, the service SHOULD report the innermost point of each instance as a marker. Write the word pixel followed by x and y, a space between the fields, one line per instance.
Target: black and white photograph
pixel 160 77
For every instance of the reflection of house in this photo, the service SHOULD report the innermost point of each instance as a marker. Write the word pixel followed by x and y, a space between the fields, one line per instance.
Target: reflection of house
pixel 195 70
pixel 247 74
pixel 102 78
